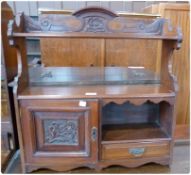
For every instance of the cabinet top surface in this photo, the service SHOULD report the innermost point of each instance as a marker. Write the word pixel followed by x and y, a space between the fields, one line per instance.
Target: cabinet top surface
pixel 96 91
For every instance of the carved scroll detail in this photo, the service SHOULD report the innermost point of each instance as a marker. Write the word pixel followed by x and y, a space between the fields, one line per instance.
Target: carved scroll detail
pixel 30 24
pixel 64 132
pixel 123 24
pixel 60 23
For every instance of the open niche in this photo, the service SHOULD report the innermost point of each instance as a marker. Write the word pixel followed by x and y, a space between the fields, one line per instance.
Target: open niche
pixel 128 122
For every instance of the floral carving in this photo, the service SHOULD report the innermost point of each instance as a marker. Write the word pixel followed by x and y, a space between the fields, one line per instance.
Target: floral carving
pixel 94 24
pixel 64 132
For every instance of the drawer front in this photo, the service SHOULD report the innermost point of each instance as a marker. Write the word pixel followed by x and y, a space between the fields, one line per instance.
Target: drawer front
pixel 58 129
pixel 135 150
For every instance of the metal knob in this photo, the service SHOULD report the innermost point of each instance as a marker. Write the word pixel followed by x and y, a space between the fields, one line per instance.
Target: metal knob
pixel 94 134
pixel 137 151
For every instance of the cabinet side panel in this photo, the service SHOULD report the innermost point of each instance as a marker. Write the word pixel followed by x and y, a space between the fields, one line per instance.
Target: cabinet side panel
pixel 181 64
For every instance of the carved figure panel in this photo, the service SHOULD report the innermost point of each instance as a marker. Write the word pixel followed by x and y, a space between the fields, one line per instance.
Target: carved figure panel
pixel 64 132
pixel 95 24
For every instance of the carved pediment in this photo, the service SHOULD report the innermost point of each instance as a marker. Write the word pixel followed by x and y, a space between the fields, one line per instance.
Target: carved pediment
pixel 95 11
pixel 94 20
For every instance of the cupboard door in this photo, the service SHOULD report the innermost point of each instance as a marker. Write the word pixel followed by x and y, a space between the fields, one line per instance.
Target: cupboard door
pixel 60 130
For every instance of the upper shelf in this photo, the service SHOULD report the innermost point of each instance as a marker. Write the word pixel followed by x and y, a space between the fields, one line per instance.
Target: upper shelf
pixel 93 22
pixel 95 82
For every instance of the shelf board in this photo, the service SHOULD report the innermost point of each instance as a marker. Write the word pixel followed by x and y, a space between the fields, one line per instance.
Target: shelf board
pixel 100 91
pixel 132 132
pixel 38 34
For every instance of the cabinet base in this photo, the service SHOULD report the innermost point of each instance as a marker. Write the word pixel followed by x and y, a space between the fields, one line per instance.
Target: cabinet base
pixel 130 163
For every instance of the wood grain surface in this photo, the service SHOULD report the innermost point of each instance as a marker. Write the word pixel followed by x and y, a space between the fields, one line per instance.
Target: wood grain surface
pixel 71 52
pixel 132 53
pixel 110 91
pixel 121 151
pixel 132 133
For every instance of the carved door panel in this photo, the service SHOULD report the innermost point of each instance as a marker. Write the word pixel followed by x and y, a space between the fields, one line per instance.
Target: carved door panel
pixel 59 129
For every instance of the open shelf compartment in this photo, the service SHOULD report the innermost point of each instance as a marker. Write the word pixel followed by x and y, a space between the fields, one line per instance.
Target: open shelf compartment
pixel 132 123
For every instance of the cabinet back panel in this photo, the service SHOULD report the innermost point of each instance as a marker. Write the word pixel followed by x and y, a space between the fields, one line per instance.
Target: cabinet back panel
pixel 128 113
pixel 71 52
pixel 80 52
pixel 131 52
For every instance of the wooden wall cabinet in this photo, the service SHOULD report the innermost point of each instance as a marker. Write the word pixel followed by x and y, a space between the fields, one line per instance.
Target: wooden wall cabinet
pixel 95 115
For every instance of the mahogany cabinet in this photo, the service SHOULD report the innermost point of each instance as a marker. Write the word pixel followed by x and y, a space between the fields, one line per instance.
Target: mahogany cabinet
pixel 85 114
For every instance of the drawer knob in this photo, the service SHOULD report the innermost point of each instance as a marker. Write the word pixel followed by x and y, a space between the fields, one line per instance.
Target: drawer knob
pixel 137 151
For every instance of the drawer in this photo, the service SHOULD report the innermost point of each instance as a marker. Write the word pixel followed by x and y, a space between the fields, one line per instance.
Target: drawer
pixel 135 150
